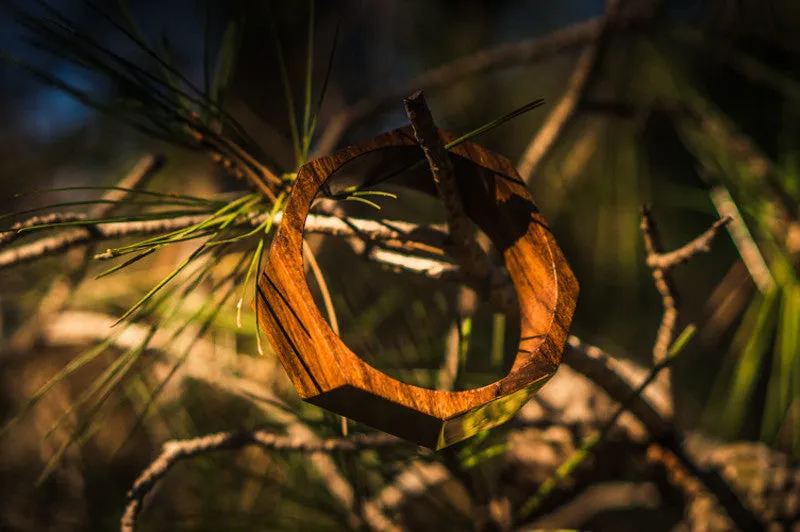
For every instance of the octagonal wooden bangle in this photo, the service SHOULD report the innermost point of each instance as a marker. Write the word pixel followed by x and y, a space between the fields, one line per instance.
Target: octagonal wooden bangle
pixel 327 373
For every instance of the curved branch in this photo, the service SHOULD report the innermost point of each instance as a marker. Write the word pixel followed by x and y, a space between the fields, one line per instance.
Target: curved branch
pixel 177 450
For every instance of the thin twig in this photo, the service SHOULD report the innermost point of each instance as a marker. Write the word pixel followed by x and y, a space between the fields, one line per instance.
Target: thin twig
pixel 661 263
pixel 402 262
pixel 701 244
pixel 176 450
pixel 669 299
pixel 564 110
pixel 396 234
pixel 466 250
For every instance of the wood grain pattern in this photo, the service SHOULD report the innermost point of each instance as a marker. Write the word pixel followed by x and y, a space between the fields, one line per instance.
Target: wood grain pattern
pixel 327 373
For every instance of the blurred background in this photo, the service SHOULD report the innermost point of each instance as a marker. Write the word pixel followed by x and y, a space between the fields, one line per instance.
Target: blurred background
pixel 690 107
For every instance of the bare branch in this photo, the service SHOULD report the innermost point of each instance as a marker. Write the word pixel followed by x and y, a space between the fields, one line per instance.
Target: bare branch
pixel 466 250
pixel 701 244
pixel 390 233
pixel 661 263
pixel 430 268
pixel 176 450
pixel 563 112
pixel 666 288
pixel 558 41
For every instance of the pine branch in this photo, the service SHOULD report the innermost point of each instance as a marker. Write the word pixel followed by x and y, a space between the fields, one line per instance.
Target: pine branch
pixel 393 234
pixel 79 237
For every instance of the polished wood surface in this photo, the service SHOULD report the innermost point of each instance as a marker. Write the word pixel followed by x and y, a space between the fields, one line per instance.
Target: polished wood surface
pixel 327 373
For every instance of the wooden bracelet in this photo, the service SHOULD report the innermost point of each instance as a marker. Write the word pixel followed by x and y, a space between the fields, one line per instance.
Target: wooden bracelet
pixel 327 373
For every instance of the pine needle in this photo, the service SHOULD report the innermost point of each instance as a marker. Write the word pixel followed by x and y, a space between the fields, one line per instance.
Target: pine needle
pixel 287 89
pixel 495 123
pixel 308 86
